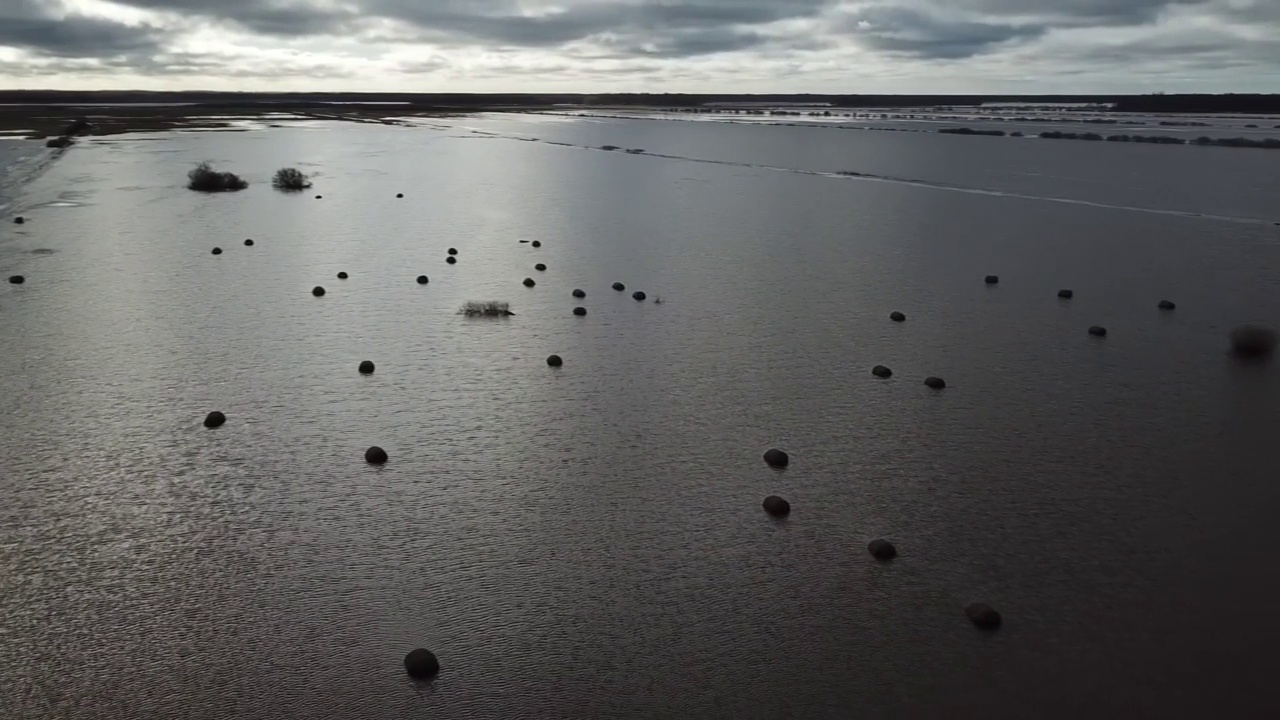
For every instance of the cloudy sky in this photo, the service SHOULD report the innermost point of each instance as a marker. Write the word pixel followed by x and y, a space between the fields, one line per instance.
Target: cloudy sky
pixel 838 46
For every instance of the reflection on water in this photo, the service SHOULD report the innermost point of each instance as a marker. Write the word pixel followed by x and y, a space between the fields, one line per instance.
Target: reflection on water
pixel 588 541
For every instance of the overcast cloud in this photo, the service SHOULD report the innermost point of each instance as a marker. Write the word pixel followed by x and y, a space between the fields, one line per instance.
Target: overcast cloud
pixel 838 46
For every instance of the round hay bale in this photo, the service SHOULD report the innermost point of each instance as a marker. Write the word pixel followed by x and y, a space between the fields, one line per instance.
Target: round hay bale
pixel 1098 331
pixel 992 279
pixel 882 549
pixel 366 367
pixel 342 276
pixel 248 242
pixel 1166 305
pixel 897 316
pixel 421 664
pixel 579 294
pixel 423 280
pixel 375 455
pixel 776 458
pixel 881 371
pixel 776 506
pixel 217 251
pixel 619 286
pixel 399 195
pixel 317 291
pixel 19 220
pixel 453 251
pixel 638 295
pixel 528 282
pixel 936 383
pixel 580 311
pixel 17 279
pixel 1253 342
pixel 554 360
pixel 1066 294
pixel 983 615
pixel 451 259
pixel 214 419
pixel 318 197
pixel 536 243
pixel 540 267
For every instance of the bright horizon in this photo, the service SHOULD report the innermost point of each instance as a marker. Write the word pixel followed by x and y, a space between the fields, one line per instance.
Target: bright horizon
pixel 898 47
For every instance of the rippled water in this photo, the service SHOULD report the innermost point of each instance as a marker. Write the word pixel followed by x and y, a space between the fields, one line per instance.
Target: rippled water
pixel 588 541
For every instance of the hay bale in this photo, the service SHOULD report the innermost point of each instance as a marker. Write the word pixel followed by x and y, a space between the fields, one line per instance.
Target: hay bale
pixel 936 383
pixel 421 664
pixel 554 361
pixel 983 615
pixel 897 316
pixel 881 371
pixel 375 456
pixel 580 311
pixel 528 282
pixel 366 367
pixel 619 286
pixel 342 276
pixel 1253 342
pixel 317 291
pixel 882 549
pixel 217 251
pixel 776 506
pixel 992 279
pixel 776 458
pixel 1098 331
pixel 423 280
pixel 214 419
pixel 579 293
pixel 638 295
pixel 1066 294
pixel 1166 305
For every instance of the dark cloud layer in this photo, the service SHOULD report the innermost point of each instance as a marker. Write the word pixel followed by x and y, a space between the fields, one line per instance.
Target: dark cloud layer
pixel 911 32
pixel 39 27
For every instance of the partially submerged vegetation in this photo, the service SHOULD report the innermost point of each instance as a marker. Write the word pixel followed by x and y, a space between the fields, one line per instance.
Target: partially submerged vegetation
pixel 203 178
pixel 971 131
pixel 290 179
pixel 491 308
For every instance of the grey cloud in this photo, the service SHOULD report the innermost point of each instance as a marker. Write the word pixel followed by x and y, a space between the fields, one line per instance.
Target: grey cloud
pixel 288 18
pixel 905 31
pixel 1075 12
pixel 44 28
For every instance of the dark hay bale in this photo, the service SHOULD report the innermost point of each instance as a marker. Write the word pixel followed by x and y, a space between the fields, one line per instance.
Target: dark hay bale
pixel 1253 342
pixel 881 371
pixel 317 291
pixel 217 251
pixel 540 267
pixel 882 550
pixel 19 220
pixel 579 293
pixel 1166 305
pixel 554 361
pixel 375 455
pixel 619 287
pixel 983 615
pixel 536 243
pixel 423 280
pixel 897 316
pixel 342 276
pixel 992 279
pixel 776 506
pixel 17 279
pixel 319 197
pixel 248 242
pixel 776 458
pixel 936 383
pixel 1098 331
pixel 366 367
pixel 451 259
pixel 639 295
pixel 453 251
pixel 214 419
pixel 528 282
pixel 399 195
pixel 580 311
pixel 1066 294
pixel 421 664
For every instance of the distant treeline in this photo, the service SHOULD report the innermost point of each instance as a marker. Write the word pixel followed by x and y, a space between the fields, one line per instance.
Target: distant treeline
pixel 1157 104
pixel 1265 143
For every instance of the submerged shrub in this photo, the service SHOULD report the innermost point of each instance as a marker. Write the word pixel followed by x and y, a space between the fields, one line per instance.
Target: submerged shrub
pixel 492 308
pixel 204 178
pixel 290 179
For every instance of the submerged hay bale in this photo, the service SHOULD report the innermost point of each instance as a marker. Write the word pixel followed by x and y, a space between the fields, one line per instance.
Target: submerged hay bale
pixel 217 251
pixel 451 259
pixel 983 615
pixel 639 295
pixel 342 276
pixel 366 367
pixel 936 383
pixel 1253 341
pixel 203 178
pixel 1066 294
pixel 882 549
pixel 619 286
pixel 214 419
pixel 290 179
pixel 248 242
pixel 423 280
pixel 579 293
pixel 528 282
pixel 1098 331
pixel 580 311
pixel 375 455
pixel 317 291
pixel 897 316
pixel 554 361
pixel 1166 305
pixel 399 195
pixel 992 279
pixel 19 220
pixel 537 243
pixel 776 458
pixel 491 308
pixel 776 506
pixel 881 371
pixel 453 251
pixel 540 267
pixel 421 664
pixel 17 279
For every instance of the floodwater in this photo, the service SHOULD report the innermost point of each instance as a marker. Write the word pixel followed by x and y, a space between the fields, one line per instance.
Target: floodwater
pixel 588 541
